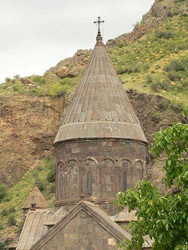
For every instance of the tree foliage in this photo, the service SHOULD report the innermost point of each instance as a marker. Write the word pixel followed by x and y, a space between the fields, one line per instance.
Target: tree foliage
pixel 163 217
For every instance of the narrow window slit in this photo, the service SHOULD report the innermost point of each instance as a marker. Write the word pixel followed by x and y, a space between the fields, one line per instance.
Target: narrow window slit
pixel 89 183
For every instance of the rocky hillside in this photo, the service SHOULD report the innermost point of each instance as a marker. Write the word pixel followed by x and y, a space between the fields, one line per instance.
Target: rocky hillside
pixel 28 126
pixel 152 63
pixel 159 12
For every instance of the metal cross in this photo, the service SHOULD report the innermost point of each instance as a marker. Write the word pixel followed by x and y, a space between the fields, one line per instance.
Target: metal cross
pixel 99 22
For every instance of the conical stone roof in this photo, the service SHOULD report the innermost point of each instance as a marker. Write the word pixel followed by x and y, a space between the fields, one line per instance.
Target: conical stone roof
pixel 100 107
pixel 37 198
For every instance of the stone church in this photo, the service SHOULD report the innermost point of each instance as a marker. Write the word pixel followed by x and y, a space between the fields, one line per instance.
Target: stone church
pixel 100 151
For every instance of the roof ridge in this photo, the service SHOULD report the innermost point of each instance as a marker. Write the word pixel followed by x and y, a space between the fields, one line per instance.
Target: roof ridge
pixel 102 218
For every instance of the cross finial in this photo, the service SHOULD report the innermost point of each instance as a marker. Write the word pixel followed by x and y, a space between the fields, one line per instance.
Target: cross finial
pixel 99 22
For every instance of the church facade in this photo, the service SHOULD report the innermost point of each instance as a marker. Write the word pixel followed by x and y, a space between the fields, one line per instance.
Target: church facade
pixel 100 151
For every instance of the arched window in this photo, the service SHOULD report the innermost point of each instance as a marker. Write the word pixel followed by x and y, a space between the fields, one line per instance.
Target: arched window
pixel 124 181
pixel 61 184
pixel 89 183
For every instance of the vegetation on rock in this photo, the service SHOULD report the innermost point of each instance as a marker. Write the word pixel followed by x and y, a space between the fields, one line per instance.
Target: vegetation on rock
pixel 157 62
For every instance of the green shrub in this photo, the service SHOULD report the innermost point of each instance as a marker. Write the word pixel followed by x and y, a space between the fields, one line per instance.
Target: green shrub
pixel 7 79
pixel 4 212
pixel 177 65
pixel 121 44
pixel 38 79
pixel 52 188
pixel 15 88
pixel 167 68
pixel 173 76
pixel 149 79
pixel 165 84
pixel 166 34
pixel 40 185
pixel 66 81
pixel 11 210
pixel 58 90
pixel 51 175
pixel 11 220
pixel 2 246
pixel 17 76
pixel 1 227
pixel 3 191
pixel 156 117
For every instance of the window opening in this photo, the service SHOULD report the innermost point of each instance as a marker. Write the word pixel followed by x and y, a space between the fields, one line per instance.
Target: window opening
pixel 61 185
pixel 124 181
pixel 89 183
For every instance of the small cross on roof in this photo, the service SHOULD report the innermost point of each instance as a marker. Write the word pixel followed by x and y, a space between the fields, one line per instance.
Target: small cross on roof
pixel 99 22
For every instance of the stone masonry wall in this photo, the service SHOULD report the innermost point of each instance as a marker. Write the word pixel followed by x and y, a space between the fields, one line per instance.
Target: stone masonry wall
pixel 83 233
pixel 114 166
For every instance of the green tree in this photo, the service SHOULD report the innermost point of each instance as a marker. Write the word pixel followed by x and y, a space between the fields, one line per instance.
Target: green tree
pixel 163 217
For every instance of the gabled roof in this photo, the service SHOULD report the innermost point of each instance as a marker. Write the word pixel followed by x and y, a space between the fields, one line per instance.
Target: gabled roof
pixel 35 197
pixel 100 107
pixel 61 213
pixel 125 216
pixel 34 228
pixel 97 214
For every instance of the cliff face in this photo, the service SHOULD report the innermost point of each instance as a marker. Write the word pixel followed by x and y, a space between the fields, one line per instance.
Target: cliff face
pixel 27 129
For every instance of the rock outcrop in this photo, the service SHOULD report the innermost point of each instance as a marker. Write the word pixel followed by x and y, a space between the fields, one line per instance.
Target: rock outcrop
pixel 27 129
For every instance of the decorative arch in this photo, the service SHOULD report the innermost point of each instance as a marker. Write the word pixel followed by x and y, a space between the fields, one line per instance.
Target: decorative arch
pixel 91 159
pixel 61 161
pixel 108 177
pixel 139 171
pixel 90 177
pixel 60 166
pixel 108 162
pixel 126 174
pixel 72 160
pixel 60 172
pixel 121 160
pixel 73 182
